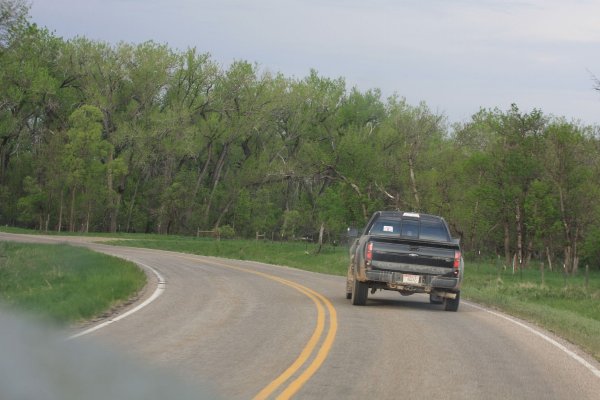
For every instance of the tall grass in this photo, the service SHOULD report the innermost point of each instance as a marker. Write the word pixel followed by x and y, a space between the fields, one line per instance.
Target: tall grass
pixel 64 283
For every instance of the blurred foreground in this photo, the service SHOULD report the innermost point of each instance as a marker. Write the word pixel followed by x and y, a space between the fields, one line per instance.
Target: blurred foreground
pixel 38 363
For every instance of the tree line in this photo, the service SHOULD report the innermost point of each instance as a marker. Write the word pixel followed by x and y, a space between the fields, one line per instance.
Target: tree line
pixel 143 138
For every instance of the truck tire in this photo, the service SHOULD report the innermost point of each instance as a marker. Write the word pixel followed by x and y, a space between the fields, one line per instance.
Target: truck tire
pixel 452 304
pixel 360 291
pixel 349 282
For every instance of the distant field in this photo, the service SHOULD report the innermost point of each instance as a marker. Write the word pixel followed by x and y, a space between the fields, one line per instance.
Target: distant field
pixel 64 283
pixel 563 305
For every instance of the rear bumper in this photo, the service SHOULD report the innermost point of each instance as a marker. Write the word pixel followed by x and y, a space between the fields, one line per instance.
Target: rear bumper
pixel 394 280
pixel 385 266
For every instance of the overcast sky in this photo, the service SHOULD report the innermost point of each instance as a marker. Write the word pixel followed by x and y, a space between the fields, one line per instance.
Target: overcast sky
pixel 456 55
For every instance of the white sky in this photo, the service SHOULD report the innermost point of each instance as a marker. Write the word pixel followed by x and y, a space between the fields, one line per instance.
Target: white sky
pixel 456 55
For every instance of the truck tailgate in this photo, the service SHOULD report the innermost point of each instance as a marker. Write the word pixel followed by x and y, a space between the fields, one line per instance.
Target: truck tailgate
pixel 431 257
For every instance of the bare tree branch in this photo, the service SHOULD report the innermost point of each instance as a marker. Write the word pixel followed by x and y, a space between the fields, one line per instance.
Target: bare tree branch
pixel 385 192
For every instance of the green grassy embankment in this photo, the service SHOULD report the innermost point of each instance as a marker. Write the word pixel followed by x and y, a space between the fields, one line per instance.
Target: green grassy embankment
pixel 64 283
pixel 301 255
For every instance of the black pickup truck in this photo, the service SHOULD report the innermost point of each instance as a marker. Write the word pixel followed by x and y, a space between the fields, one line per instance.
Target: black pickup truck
pixel 409 253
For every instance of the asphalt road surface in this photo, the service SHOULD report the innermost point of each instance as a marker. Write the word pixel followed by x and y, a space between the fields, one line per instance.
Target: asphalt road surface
pixel 251 330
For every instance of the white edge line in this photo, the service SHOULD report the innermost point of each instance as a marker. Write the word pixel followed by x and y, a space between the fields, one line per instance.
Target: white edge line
pixel 160 288
pixel 570 353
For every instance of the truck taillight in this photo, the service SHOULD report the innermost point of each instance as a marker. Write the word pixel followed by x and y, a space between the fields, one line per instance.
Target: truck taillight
pixel 369 253
pixel 456 262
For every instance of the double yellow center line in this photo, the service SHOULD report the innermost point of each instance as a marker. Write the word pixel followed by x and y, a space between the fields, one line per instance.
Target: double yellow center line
pixel 316 350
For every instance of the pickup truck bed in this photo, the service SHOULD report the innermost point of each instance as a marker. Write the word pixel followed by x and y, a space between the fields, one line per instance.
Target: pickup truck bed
pixel 409 253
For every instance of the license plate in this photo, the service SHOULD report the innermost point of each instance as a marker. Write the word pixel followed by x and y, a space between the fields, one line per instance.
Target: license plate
pixel 406 278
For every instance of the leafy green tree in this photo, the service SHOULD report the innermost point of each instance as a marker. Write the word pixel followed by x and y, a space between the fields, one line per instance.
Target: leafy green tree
pixel 33 92
pixel 144 138
pixel 85 155
pixel 506 165
pixel 543 226
pixel 239 127
pixel 407 142
pixel 27 91
pixel 569 170
pixel 356 160
pixel 32 205
pixel 13 18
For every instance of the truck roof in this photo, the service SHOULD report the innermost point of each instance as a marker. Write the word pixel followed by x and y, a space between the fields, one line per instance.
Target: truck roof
pixel 407 214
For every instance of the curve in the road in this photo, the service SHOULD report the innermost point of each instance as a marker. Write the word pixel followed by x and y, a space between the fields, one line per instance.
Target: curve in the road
pixel 553 342
pixel 324 309
pixel 160 288
pixel 310 358
pixel 482 353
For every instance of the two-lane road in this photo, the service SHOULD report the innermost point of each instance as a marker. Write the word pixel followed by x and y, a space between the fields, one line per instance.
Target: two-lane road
pixel 251 329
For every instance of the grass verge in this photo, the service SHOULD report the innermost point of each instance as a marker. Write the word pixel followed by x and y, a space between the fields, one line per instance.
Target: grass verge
pixel 64 283
pixel 330 260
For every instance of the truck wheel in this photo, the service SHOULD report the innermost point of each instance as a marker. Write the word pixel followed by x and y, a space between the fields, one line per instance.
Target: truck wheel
pixel 452 304
pixel 360 291
pixel 349 282
pixel 435 299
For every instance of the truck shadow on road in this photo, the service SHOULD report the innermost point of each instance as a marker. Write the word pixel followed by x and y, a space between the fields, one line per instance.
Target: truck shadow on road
pixel 414 302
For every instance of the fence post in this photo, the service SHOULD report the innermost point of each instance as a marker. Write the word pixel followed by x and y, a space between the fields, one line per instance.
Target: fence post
pixel 498 266
pixel 587 276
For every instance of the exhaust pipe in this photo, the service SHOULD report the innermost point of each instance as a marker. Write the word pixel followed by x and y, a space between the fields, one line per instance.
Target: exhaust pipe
pixel 447 295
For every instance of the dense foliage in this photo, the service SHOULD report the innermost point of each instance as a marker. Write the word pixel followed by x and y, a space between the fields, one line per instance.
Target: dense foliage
pixel 142 138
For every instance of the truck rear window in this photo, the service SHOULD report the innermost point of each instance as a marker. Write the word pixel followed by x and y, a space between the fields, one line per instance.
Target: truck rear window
pixel 410 228
pixel 433 230
pixel 423 229
pixel 383 227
